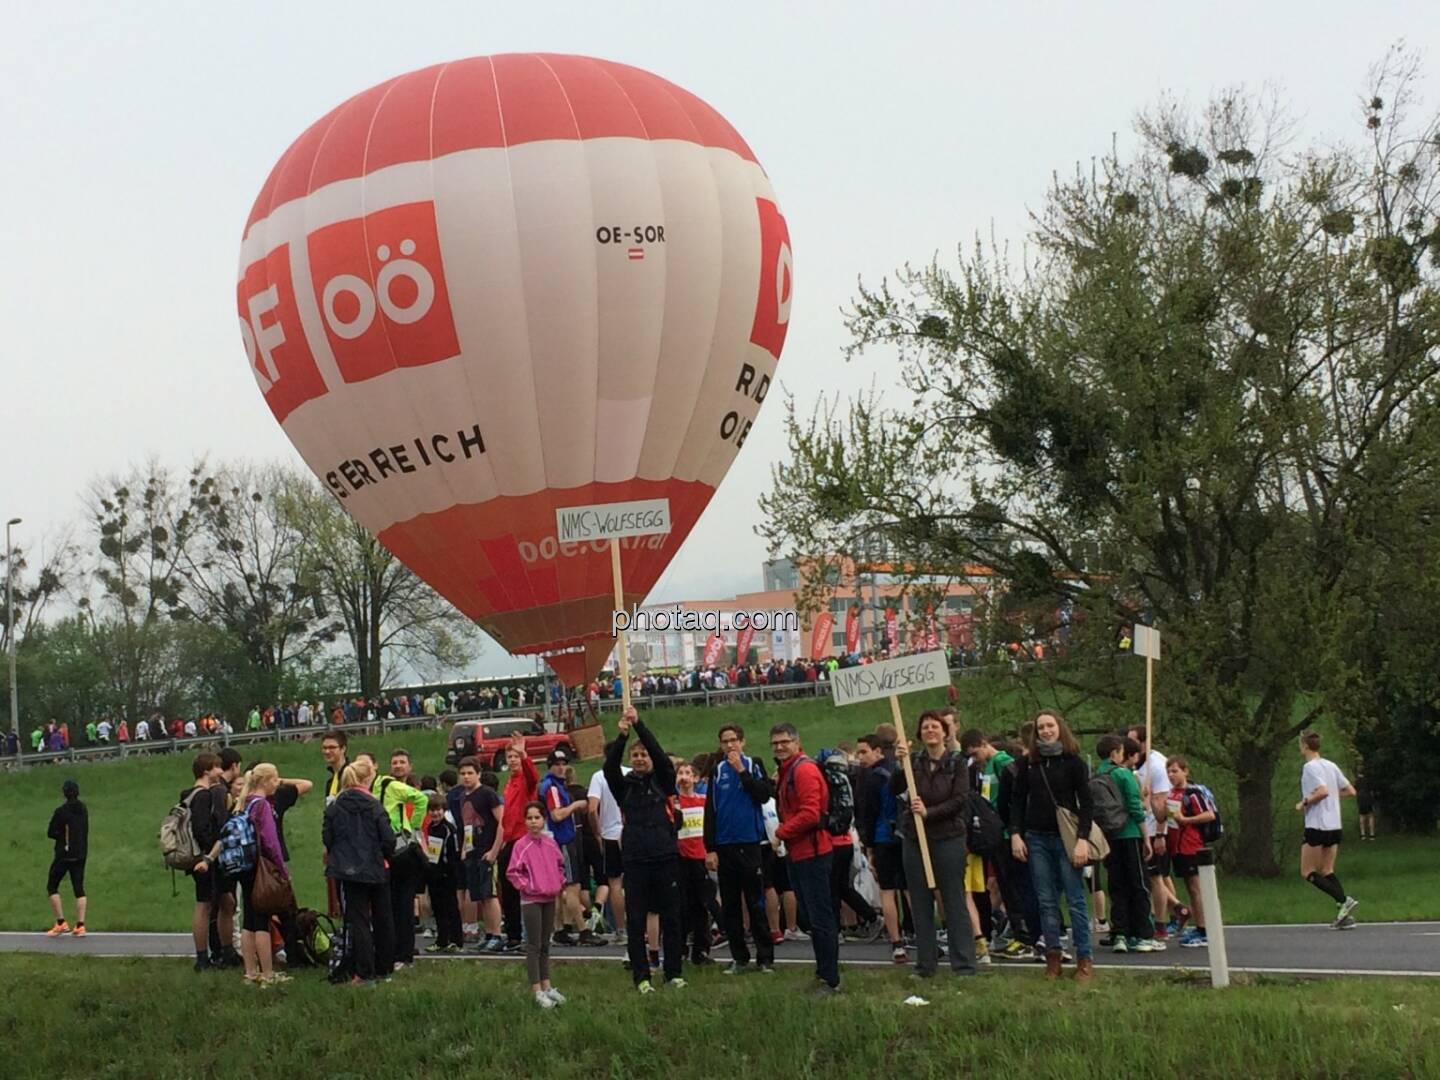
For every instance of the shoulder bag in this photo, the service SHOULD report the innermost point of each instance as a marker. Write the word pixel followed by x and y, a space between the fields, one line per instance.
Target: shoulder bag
pixel 1068 822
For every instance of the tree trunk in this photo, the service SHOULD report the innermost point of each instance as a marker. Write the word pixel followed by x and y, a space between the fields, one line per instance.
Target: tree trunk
pixel 1255 773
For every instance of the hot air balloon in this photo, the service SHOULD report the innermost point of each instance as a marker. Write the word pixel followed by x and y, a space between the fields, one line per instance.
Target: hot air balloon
pixel 490 289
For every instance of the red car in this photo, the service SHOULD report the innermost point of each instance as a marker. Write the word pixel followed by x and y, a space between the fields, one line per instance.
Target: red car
pixel 486 740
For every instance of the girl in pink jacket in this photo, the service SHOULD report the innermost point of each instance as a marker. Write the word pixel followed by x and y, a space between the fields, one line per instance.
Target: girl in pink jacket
pixel 537 870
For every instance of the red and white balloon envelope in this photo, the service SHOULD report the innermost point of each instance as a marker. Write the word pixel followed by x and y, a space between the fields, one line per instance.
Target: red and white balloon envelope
pixel 491 289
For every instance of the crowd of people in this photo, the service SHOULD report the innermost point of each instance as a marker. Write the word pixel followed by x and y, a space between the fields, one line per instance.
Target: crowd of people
pixel 969 848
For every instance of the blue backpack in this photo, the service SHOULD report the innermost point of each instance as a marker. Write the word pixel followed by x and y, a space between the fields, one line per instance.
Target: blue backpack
pixel 238 845
pixel 1211 831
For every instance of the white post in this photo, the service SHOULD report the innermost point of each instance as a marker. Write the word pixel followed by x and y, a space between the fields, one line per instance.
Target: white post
pixel 1214 921
pixel 12 635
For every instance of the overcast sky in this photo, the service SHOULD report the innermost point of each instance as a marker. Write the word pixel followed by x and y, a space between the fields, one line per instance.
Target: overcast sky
pixel 132 144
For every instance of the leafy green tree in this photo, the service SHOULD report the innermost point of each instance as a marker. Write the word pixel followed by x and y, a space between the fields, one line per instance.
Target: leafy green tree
pixel 389 614
pixel 1192 400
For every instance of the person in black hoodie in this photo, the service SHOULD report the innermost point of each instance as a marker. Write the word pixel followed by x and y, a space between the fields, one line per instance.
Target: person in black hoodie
pixel 70 829
pixel 1054 777
pixel 649 848
pixel 358 839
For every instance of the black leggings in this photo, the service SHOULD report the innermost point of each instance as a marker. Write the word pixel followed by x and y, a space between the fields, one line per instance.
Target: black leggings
pixel 251 921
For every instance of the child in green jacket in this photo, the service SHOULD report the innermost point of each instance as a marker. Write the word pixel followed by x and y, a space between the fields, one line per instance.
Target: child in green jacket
pixel 1125 865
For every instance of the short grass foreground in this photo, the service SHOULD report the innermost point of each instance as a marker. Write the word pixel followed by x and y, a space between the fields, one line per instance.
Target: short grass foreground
pixel 458 1019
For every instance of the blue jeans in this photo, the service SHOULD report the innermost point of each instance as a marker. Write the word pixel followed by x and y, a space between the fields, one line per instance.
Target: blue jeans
pixel 810 878
pixel 1051 874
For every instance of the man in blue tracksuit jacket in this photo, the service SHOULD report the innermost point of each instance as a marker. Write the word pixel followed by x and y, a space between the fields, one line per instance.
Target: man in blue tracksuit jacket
pixel 734 833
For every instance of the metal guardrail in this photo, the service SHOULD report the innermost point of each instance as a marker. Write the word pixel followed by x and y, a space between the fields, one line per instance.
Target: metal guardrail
pixel 702 698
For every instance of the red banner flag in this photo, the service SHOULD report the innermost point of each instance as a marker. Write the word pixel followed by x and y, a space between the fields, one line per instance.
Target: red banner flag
pixel 931 641
pixel 892 628
pixel 820 635
pixel 713 648
pixel 743 637
pixel 852 628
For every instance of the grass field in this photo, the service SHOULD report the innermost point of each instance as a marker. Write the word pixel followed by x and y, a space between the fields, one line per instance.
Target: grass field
pixel 130 891
pixel 119 1018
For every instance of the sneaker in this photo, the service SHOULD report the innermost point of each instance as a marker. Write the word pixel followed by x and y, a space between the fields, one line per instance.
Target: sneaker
pixel 645 987
pixel 620 937
pixel 428 932
pixel 765 969
pixel 492 945
pixel 508 946
pixel 1148 945
pixel 452 949
pixel 1195 939
pixel 566 938
pixel 435 948
pixel 1102 926
pixel 79 930
pixel 555 995
pixel 677 984
pixel 825 990
pixel 588 938
pixel 59 928
pixel 1109 942
pixel 276 978
pixel 1122 945
pixel 204 965
pixel 1014 950
pixel 983 959
pixel 1172 928
pixel 943 937
pixel 897 954
pixel 544 1000
pixel 796 934
pixel 1161 933
pixel 982 948
pixel 1346 908
pixel 1182 916
pixel 735 968
pixel 776 936
pixel 1347 923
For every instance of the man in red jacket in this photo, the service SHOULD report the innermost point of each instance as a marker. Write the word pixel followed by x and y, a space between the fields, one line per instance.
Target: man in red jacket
pixel 803 800
pixel 522 787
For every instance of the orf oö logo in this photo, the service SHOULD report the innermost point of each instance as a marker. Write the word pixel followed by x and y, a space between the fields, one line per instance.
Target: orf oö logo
pixel 380 288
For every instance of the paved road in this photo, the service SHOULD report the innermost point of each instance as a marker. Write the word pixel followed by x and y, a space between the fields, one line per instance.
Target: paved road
pixel 1369 949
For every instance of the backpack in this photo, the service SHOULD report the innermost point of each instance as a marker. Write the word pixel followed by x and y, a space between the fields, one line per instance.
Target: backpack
pixel 1211 831
pixel 1107 805
pixel 177 839
pixel 840 813
pixel 985 831
pixel 312 939
pixel 238 845
pixel 339 963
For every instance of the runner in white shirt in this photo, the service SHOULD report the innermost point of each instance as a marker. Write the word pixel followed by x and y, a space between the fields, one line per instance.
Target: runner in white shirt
pixel 1321 786
pixel 1154 792
pixel 606 811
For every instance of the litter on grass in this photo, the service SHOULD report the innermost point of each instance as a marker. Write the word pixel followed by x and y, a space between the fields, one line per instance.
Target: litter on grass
pixel 914 1000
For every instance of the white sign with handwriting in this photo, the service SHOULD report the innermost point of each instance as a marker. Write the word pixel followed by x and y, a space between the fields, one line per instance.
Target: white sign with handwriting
pixel 612 521
pixel 903 675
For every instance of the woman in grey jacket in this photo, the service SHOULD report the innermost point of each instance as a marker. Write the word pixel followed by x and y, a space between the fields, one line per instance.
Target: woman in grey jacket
pixel 941 790
pixel 358 839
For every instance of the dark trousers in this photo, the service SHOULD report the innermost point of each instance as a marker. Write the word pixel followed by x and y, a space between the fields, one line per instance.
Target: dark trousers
pixel 742 889
pixel 509 895
pixel 1021 906
pixel 811 881
pixel 1129 890
pixel 445 903
pixel 405 878
pixel 947 859
pixel 653 886
pixel 694 916
pixel 841 858
pixel 363 904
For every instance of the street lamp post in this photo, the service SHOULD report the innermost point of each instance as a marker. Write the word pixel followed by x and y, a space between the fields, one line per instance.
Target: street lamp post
pixel 10 630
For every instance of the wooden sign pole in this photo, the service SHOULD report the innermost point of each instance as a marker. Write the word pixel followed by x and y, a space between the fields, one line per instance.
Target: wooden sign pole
pixel 910 786
pixel 622 642
pixel 1149 702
